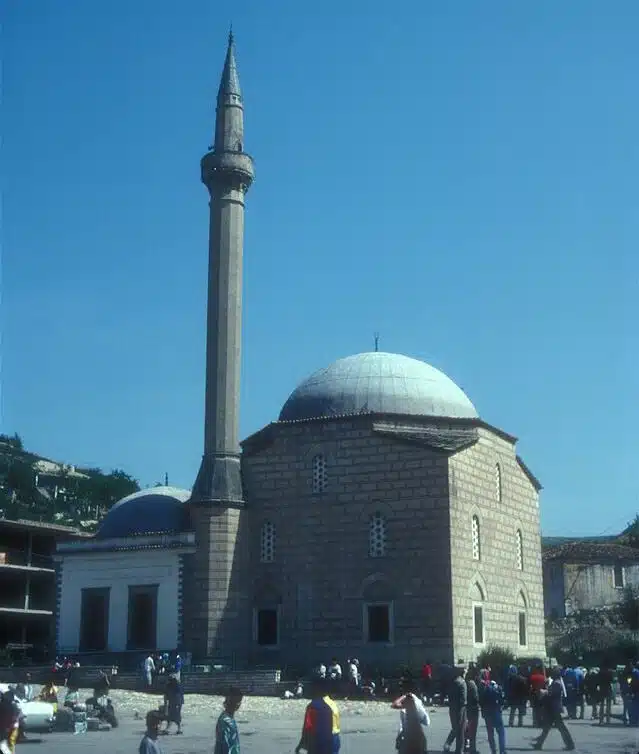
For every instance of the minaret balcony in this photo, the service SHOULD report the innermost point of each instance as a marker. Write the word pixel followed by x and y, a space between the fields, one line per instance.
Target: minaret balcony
pixel 227 166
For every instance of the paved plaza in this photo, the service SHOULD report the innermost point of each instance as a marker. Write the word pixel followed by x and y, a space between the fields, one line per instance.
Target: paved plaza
pixel 271 726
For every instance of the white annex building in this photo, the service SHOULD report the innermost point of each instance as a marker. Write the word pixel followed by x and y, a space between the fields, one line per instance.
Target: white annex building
pixel 122 589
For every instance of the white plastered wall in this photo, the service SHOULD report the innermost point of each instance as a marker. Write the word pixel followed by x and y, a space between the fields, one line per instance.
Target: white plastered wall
pixel 119 571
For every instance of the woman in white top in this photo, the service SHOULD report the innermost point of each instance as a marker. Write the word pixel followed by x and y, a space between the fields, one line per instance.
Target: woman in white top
pixel 413 718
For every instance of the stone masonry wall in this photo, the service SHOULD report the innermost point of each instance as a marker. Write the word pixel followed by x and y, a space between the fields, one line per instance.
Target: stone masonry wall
pixel 474 491
pixel 322 575
pixel 216 612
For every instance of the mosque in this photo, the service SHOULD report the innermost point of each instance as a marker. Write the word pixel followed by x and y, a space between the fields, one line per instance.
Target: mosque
pixel 379 516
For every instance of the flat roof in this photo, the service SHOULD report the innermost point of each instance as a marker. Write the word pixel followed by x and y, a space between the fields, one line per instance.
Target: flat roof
pixel 42 527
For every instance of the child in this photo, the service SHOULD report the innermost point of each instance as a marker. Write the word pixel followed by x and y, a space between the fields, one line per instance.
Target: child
pixel 149 744
pixel 227 737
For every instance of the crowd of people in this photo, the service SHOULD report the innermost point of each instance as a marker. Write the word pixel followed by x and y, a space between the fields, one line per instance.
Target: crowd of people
pixel 473 694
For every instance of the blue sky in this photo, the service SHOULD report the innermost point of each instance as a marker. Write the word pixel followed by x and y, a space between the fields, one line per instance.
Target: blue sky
pixel 461 177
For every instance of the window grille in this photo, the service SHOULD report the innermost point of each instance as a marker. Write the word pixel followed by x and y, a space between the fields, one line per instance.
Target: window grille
pixel 476 539
pixel 267 543
pixel 377 536
pixel 319 474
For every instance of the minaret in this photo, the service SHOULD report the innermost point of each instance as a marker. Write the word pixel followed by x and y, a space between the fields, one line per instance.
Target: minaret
pixel 215 620
pixel 227 172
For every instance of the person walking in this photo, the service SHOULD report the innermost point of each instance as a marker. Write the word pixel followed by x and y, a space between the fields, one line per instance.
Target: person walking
pixel 591 688
pixel 149 744
pixel 321 727
pixel 633 710
pixel 427 682
pixel 517 693
pixel 538 684
pixel 553 702
pixel 149 669
pixel 413 718
pixel 411 708
pixel 457 702
pixel 625 681
pixel 173 701
pixel 472 710
pixel 606 692
pixel 227 736
pixel 491 702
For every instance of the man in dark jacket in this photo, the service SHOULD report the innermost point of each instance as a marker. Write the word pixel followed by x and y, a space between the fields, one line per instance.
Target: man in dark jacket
pixel 553 702
pixel 606 692
pixel 472 710
pixel 457 701
pixel 517 692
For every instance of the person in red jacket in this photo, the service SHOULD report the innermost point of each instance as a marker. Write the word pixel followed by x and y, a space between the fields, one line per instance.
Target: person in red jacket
pixel 538 685
pixel 427 682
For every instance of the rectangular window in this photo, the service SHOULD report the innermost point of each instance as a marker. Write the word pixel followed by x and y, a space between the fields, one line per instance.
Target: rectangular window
pixel 523 639
pixel 94 620
pixel 618 577
pixel 266 627
pixel 478 624
pixel 378 623
pixel 142 617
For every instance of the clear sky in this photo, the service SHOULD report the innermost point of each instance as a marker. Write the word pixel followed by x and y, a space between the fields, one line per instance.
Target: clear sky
pixel 461 177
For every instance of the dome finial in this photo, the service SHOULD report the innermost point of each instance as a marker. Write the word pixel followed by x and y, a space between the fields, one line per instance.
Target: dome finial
pixel 376 338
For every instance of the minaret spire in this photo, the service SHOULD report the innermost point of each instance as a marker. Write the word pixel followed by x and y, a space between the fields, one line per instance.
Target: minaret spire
pixel 227 172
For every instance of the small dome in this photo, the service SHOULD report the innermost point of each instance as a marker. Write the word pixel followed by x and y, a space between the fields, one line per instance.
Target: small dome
pixel 384 383
pixel 151 511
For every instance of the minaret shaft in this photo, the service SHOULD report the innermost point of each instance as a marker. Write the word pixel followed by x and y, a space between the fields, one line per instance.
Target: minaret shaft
pixel 224 324
pixel 227 172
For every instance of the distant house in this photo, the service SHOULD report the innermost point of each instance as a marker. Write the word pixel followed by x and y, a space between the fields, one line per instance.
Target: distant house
pixel 52 480
pixel 587 575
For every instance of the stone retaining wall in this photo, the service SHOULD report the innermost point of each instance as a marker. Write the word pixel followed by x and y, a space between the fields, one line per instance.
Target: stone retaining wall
pixel 251 682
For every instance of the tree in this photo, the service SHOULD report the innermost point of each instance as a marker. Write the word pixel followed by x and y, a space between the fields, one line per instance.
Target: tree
pixel 499 659
pixel 629 608
pixel 99 492
pixel 14 440
pixel 630 535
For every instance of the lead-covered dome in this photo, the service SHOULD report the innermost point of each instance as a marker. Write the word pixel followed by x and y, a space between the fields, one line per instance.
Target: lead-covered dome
pixel 384 383
pixel 152 511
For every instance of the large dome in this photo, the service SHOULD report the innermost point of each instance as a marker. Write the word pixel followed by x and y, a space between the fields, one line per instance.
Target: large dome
pixel 152 511
pixel 384 383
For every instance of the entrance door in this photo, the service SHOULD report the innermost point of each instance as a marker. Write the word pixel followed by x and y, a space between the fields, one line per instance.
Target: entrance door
pixel 143 610
pixel 94 620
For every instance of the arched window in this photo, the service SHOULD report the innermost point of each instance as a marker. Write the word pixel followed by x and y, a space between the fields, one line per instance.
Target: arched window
pixel 267 542
pixel 319 474
pixel 377 536
pixel 498 490
pixel 476 539
pixel 522 618
pixel 520 551
pixel 477 595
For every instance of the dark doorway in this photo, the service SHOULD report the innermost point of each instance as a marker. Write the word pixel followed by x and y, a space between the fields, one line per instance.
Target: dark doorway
pixel 378 623
pixel 267 628
pixel 143 611
pixel 94 620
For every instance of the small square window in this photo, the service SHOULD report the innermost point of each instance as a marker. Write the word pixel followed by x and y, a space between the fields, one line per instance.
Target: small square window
pixel 619 577
pixel 378 623
pixel 478 624
pixel 523 639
